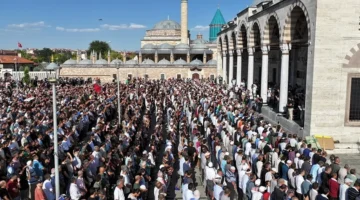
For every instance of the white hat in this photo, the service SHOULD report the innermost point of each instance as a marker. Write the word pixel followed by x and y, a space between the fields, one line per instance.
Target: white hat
pixel 274 169
pixel 245 167
pixel 232 143
pixel 289 162
pixel 142 187
pixel 258 182
pixel 145 152
pixel 262 189
pixel 232 168
pixel 347 180
pixel 197 194
pixel 261 137
pixel 161 166
pixel 297 155
pixel 210 164
pixel 227 153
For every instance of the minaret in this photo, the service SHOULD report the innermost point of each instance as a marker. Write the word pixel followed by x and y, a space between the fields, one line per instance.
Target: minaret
pixel 108 57
pixel 77 56
pixel 184 22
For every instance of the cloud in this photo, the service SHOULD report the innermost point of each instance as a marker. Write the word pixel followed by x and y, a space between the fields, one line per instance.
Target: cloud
pixel 200 28
pixel 39 24
pixel 77 29
pixel 122 26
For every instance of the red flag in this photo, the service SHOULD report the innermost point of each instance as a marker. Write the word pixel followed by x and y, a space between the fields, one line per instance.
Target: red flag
pixel 97 88
pixel 19 45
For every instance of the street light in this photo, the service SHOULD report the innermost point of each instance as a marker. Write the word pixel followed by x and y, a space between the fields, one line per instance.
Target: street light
pixel 118 91
pixel 53 67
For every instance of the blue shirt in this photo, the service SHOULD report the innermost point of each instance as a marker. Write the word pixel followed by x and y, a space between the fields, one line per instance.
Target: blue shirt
pixel 307 152
pixel 38 168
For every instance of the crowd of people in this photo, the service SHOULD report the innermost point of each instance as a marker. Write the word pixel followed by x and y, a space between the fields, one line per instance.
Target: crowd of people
pixel 174 135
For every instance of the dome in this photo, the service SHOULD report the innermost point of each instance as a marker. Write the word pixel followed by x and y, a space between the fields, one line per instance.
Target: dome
pixel 116 61
pixel 131 62
pixel 180 62
pixel 52 66
pixel 101 62
pixel 164 62
pixel 199 41
pixel 182 46
pixel 149 46
pixel 199 46
pixel 212 62
pixel 148 61
pixel 85 62
pixel 70 62
pixel 166 46
pixel 167 24
pixel 196 62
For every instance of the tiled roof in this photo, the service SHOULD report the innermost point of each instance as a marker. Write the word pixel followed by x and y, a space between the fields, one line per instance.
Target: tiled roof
pixel 6 59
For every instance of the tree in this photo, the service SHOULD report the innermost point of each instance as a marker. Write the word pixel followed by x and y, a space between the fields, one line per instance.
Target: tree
pixel 25 55
pixel 99 47
pixel 62 57
pixel 26 78
pixel 115 55
pixel 43 55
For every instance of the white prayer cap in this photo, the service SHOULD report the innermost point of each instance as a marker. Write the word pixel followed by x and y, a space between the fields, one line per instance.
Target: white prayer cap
pixel 258 182
pixel 262 189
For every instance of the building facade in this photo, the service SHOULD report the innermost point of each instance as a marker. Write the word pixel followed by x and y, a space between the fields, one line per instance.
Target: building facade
pixel 312 45
pixel 167 51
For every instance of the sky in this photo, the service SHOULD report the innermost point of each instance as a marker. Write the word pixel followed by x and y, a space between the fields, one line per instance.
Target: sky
pixel 73 24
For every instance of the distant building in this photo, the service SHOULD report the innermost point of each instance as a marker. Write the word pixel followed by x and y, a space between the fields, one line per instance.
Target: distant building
pixel 166 52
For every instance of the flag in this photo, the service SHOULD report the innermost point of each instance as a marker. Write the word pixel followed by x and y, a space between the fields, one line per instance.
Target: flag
pixel 97 88
pixel 19 45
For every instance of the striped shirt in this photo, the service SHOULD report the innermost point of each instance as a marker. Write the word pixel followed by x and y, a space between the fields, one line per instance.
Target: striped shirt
pixel 352 193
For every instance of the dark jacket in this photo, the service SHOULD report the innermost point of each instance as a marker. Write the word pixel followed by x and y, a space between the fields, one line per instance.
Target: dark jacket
pixel 278 194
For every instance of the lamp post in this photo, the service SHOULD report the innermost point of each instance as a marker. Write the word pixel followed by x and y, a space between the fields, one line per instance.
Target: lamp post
pixel 53 67
pixel 118 92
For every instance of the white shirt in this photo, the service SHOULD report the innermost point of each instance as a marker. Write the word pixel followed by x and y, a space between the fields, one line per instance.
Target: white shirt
pixel 313 194
pixel 298 181
pixel 268 176
pixel 217 192
pixel 181 163
pixel 48 190
pixel 119 194
pixel 74 192
pixel 342 193
pixel 189 195
pixel 256 195
pixel 210 173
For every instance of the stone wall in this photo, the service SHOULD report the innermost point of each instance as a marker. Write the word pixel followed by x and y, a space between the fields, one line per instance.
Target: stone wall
pixel 108 74
pixel 336 33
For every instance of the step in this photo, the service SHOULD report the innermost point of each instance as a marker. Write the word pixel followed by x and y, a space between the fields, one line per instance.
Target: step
pixel 346 146
pixel 343 151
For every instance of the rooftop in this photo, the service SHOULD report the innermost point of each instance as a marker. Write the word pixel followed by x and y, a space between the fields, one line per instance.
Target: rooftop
pixel 8 59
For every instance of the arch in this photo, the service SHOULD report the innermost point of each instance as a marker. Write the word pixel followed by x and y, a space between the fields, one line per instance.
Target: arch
pixel 255 35
pixel 226 43
pixel 231 40
pixel 241 33
pixel 235 42
pixel 352 59
pixel 271 19
pixel 242 36
pixel 291 20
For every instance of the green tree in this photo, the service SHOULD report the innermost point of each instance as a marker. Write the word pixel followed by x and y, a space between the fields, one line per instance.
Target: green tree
pixel 115 54
pixel 25 55
pixel 26 78
pixel 43 55
pixel 37 69
pixel 99 46
pixel 62 57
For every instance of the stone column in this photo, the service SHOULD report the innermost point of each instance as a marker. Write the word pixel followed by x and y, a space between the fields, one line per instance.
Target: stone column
pixel 156 59
pixel 184 21
pixel 188 57
pixel 224 66
pixel 231 67
pixel 250 78
pixel 140 57
pixel 204 58
pixel 109 58
pixel 284 80
pixel 172 57
pixel 239 67
pixel 264 72
pixel 219 66
pixel 124 57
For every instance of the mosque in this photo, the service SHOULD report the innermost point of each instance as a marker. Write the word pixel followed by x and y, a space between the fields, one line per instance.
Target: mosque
pixel 309 49
pixel 167 51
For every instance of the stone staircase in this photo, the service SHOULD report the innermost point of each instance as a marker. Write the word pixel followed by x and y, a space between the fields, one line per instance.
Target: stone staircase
pixel 345 148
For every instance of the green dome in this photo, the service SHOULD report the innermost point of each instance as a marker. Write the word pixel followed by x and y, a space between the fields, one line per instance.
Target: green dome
pixel 215 26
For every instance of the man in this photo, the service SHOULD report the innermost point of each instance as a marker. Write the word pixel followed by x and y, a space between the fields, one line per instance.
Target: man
pixel 134 195
pixel 306 186
pixel 352 176
pixel 324 195
pixel 48 188
pixel 189 195
pixel 333 187
pixel 314 191
pixel 314 170
pixel 279 192
pixel 343 172
pixel 226 194
pixel 74 191
pixel 118 192
pixel 343 189
pixel 335 166
pixel 258 195
pixel 285 169
pixel 218 190
pixel 353 192
pixel 39 193
pixel 13 189
pixel 299 179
